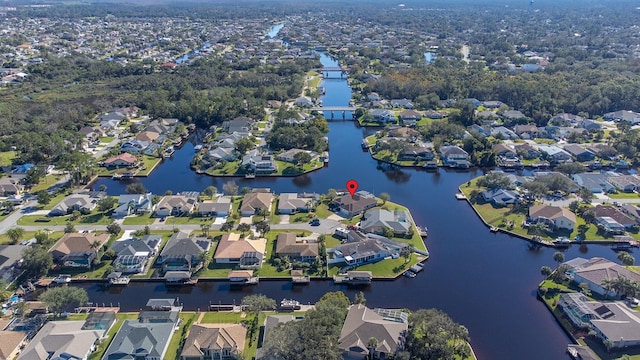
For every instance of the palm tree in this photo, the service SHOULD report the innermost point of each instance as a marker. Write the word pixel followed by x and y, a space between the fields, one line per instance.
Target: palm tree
pixel 205 229
pixel 607 284
pixel 372 344
pixel 264 213
pixel 15 234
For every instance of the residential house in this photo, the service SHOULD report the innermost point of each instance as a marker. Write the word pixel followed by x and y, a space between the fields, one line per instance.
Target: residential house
pixel 133 204
pixel 593 271
pixel 382 116
pixel 362 324
pixel 410 117
pixel 505 151
pixel 359 252
pixel 248 254
pixel 221 207
pixel 527 151
pixel 122 160
pixel 240 124
pixel 500 197
pixel 133 254
pixel 20 172
pixel 435 115
pixel 134 146
pixel 609 225
pixel 12 341
pixel 555 153
pixel 10 186
pixel 402 103
pixel 263 164
pixel 581 154
pixel 404 132
pixel 90 133
pixel 554 216
pixel 454 156
pixel 298 249
pixel 594 181
pixel 290 155
pixel 513 115
pixel 617 215
pixel 303 102
pixel 350 206
pixel 111 120
pixel 502 132
pixel 604 151
pixel 528 131
pixel 565 119
pixel 147 136
pixel 290 203
pixel 574 306
pixel 221 153
pixel 589 125
pixel 176 205
pixel 416 152
pixel 214 342
pixel 140 339
pixel 255 201
pixel 78 250
pixel 492 104
pixel 63 340
pixel 83 202
pixel 377 220
pixel 10 260
pixel 625 183
pixel 631 117
pixel 181 253
pixel 473 101
pixel 631 210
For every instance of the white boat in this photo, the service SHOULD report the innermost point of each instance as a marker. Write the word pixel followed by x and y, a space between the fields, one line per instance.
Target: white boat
pixel 460 196
pixel 61 279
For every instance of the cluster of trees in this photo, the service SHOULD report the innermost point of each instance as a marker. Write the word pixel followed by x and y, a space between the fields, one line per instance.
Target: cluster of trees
pixel 309 135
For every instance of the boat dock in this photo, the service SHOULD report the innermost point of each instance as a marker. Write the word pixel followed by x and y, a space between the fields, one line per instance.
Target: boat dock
pixel 354 278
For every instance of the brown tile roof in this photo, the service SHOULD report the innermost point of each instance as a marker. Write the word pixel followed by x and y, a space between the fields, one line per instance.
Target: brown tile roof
pixel 256 200
pixel 10 341
pixel 231 246
pixel 77 242
pixel 214 337
pixel 288 243
pixel 550 212
pixel 598 269
pixel 615 214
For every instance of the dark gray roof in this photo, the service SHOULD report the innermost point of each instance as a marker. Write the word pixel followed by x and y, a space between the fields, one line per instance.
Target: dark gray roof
pixel 130 247
pixel 137 339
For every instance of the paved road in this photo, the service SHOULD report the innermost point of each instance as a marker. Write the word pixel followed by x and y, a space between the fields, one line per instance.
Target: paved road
pixel 10 221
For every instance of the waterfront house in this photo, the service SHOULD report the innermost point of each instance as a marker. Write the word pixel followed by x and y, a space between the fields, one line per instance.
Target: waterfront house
pixel 261 164
pixel 454 156
pixel 609 225
pixel 288 244
pixel 78 249
pixel 255 201
pixel 382 115
pixel 554 216
pixel 122 160
pixel 290 155
pixel 377 220
pixel 363 324
pixel 214 341
pixel 63 340
pixel 248 254
pixel 129 204
pixel 83 202
pixel 350 206
pixel 577 310
pixel 527 151
pixel 221 153
pixel 10 186
pixel 625 183
pixel 593 271
pixel 182 253
pixel 581 154
pixel 303 102
pixel 358 253
pixel 596 182
pixel 504 151
pixel 176 205
pixel 134 146
pixel 500 197
pixel 416 152
pixel 617 215
pixel 140 338
pixel 221 207
pixel 133 254
pixel 290 203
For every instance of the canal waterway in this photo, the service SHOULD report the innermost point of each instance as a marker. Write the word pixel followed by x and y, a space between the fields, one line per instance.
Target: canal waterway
pixel 483 280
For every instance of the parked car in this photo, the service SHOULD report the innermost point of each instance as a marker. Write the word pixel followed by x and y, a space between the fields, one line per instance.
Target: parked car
pixel 315 222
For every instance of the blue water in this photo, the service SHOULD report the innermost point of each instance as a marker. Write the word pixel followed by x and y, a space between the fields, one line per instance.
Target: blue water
pixel 429 57
pixel 273 32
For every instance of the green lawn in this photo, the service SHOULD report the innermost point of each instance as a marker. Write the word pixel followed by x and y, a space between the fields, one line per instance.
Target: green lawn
pixel 322 211
pixel 6 157
pixel 54 236
pixel 173 351
pixel 145 219
pixel 387 268
pixel 196 220
pixel 96 218
pixel 107 139
pixel 45 183
pixel 148 163
pixel 214 317
pixel 624 195
pixel 104 343
pixel 301 217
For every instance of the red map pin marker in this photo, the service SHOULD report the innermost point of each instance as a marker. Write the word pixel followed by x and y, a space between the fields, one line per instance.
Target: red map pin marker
pixel 352 187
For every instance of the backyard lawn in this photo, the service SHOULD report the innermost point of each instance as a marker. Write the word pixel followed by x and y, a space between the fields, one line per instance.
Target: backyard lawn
pixel 104 343
pixel 173 351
